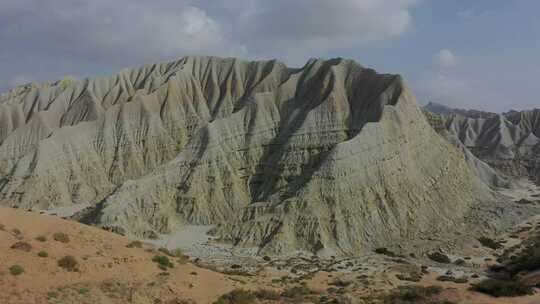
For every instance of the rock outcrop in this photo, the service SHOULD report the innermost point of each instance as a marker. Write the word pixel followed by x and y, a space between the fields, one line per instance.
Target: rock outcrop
pixel 507 142
pixel 330 158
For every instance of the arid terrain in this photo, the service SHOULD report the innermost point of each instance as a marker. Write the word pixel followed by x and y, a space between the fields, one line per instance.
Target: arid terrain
pixel 110 268
pixel 218 180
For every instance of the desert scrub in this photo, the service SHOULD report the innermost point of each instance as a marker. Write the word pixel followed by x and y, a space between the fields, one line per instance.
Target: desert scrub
pixel 41 238
pixel 69 263
pixel 237 296
pixel 500 288
pixel 412 294
pixel 240 296
pixel 265 294
pixel 23 246
pixel 61 237
pixel 43 254
pixel 411 277
pixel 16 270
pixel 340 283
pixel 163 262
pixel 447 278
pixel 439 257
pixel 296 292
pixel 489 243
pixel 135 244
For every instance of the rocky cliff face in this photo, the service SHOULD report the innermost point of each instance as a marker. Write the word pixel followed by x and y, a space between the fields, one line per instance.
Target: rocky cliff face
pixel 332 157
pixel 508 142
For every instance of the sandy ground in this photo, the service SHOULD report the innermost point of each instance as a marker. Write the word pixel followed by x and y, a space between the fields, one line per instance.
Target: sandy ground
pixel 110 272
pixel 104 260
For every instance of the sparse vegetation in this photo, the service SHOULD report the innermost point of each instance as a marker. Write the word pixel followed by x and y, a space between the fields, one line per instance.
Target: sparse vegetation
pixel 237 296
pixel 385 251
pixel 412 294
pixel 53 294
pixel 135 244
pixel 16 270
pixel 439 257
pixel 61 237
pixel 297 291
pixel 23 246
pixel 265 294
pixel 489 243
pixel 43 254
pixel 240 296
pixel 163 262
pixel 41 238
pixel 411 277
pixel 340 283
pixel 69 263
pixel 527 260
pixel 447 278
pixel 500 288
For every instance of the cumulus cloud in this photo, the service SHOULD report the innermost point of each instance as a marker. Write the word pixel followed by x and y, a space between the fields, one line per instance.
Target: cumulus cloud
pixel 109 30
pixel 104 33
pixel 446 58
pixel 304 26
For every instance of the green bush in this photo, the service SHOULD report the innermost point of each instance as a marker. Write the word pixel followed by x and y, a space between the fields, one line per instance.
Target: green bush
pixel 489 243
pixel 135 244
pixel 61 237
pixel 447 278
pixel 41 238
pixel 237 296
pixel 16 270
pixel 412 294
pixel 411 277
pixel 265 294
pixel 163 262
pixel 69 263
pixel 296 291
pixel 439 257
pixel 499 288
pixel 23 246
pixel 43 254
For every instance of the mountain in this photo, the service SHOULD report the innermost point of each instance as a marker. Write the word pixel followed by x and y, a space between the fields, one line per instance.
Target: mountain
pixel 508 142
pixel 330 158
pixel 438 108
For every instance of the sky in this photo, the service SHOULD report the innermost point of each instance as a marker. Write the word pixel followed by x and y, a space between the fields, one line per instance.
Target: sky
pixel 481 54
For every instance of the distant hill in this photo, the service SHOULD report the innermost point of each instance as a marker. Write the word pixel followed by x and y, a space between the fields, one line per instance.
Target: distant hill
pixel 445 110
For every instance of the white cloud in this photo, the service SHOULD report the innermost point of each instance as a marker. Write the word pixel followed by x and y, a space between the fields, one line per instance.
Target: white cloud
pixel 445 58
pixel 303 27
pixel 120 33
pixel 109 30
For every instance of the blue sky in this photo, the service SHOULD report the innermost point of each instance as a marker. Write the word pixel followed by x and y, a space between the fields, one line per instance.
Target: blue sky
pixel 473 54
